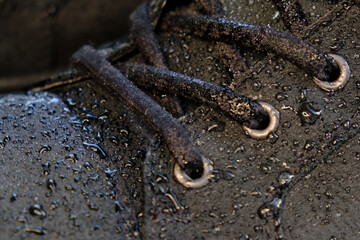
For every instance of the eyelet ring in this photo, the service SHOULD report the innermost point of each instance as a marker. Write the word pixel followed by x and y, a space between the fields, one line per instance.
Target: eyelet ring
pixel 273 123
pixel 188 182
pixel 342 79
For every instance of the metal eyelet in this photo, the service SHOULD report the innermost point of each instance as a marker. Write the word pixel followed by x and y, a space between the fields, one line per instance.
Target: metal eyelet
pixel 188 182
pixel 342 79
pixel 273 123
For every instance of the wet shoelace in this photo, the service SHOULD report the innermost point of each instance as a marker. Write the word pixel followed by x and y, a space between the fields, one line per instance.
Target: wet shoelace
pixel 323 67
pixel 330 72
pixel 192 169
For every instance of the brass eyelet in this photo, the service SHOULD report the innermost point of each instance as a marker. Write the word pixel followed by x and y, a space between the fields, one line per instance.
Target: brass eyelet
pixel 188 182
pixel 342 79
pixel 273 123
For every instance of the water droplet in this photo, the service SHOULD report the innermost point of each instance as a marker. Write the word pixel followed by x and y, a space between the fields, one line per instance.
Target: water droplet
pixel 118 207
pixel 308 115
pixel 46 168
pixel 21 219
pixel 285 178
pixel 281 96
pixel 110 173
pixel 276 15
pixel 279 67
pixel 318 40
pixel 96 148
pixel 329 195
pixel 71 158
pixel 226 175
pixel 258 228
pixel 51 184
pixel 68 148
pixel 272 138
pixel 265 168
pixel 270 209
pixel 342 103
pixel 44 148
pixel 69 188
pixel 114 140
pixel 357 84
pixel 13 197
pixel 287 88
pixel 37 210
pixel 256 86
pixel 303 95
pixel 337 140
pixel 286 124
pixel 70 102
pixel 7 139
pixel 92 206
pixel 222 174
pixel 284 142
pixel 37 230
pixel 217 125
pixel 174 200
pixel 161 178
pixel 309 145
pixel 88 166
pixel 328 135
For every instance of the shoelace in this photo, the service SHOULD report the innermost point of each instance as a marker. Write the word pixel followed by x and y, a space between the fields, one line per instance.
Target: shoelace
pixel 330 71
pixel 192 169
